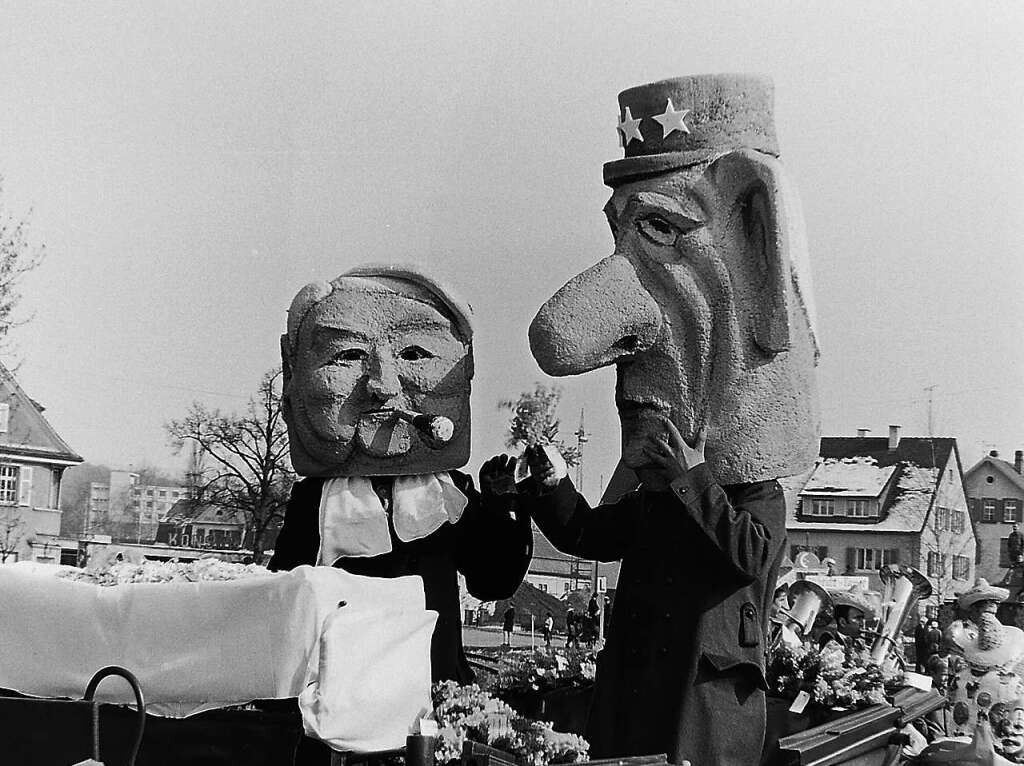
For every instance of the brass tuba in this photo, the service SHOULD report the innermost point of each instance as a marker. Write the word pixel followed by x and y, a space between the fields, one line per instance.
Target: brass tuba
pixel 807 601
pixel 902 588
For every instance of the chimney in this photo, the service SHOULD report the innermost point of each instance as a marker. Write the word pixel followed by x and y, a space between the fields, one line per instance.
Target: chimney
pixel 993 453
pixel 894 437
pixel 863 432
pixel 1018 459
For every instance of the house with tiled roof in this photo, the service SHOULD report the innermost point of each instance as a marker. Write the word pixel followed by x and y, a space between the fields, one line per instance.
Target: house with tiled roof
pixel 559 573
pixel 872 501
pixel 995 495
pixel 33 458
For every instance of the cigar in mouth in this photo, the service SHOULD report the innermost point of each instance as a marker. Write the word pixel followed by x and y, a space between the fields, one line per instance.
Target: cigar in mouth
pixel 437 428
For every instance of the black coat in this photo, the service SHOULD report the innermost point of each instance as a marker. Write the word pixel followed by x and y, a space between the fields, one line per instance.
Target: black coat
pixel 683 668
pixel 489 545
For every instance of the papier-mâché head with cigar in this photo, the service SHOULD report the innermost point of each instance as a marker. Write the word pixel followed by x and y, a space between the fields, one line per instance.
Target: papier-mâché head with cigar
pixel 377 371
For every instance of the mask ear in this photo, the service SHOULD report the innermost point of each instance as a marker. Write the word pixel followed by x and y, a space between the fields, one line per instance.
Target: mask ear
pixel 748 183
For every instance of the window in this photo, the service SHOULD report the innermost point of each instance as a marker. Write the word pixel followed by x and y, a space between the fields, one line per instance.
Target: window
pixel 823 506
pixel 874 558
pixel 1011 510
pixel 542 586
pixel 858 507
pixel 8 484
pixel 932 611
pixel 959 518
pixel 961 567
pixel 936 564
pixel 988 509
pixel 5 417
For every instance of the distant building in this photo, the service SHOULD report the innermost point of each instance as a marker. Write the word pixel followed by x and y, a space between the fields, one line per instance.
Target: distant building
pixel 202 527
pixel 995 492
pixel 875 501
pixel 129 511
pixel 33 458
pixel 558 573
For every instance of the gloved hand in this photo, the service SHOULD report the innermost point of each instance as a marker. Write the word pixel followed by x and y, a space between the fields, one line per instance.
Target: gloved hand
pixel 498 476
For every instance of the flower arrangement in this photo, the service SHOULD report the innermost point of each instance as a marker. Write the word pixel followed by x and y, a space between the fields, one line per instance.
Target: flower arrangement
pixel 525 671
pixel 832 676
pixel 468 712
pixel 124 572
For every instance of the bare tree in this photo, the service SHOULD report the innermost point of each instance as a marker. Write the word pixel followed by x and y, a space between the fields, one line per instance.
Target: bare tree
pixel 535 421
pixel 12 532
pixel 248 474
pixel 18 255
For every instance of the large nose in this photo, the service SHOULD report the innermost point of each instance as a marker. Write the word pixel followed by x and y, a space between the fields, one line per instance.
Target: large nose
pixel 382 377
pixel 597 318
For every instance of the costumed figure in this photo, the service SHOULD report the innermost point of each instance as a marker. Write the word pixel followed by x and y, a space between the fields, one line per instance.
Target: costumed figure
pixel 853 609
pixel 991 652
pixel 703 310
pixel 377 370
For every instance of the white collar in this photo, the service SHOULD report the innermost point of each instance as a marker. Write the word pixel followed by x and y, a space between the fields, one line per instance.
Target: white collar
pixel 353 521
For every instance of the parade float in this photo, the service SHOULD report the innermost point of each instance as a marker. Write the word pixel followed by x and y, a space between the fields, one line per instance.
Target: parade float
pixel 706 310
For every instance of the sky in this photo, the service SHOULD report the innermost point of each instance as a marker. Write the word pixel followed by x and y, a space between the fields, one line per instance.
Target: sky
pixel 190 165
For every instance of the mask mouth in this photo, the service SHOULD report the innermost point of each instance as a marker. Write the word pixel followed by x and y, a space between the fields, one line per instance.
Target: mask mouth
pixel 382 433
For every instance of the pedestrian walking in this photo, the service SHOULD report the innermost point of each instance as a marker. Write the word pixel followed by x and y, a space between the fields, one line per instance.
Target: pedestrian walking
pixel 549 626
pixel 571 629
pixel 508 624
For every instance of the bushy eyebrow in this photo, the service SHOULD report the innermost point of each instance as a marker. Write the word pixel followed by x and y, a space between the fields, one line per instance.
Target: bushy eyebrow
pixel 691 206
pixel 670 205
pixel 325 335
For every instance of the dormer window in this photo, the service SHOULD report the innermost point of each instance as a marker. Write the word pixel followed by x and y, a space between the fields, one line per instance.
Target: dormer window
pixel 858 507
pixel 823 506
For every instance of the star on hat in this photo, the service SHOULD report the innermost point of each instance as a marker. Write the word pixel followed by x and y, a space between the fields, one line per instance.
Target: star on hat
pixel 672 119
pixel 630 128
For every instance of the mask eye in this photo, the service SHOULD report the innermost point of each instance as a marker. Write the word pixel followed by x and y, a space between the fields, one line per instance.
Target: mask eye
pixel 350 355
pixel 415 353
pixel 657 229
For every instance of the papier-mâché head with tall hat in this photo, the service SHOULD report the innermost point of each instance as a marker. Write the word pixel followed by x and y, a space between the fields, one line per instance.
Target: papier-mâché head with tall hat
pixel 704 306
pixel 377 371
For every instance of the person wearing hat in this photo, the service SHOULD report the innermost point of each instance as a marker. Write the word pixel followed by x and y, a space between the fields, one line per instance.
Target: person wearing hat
pixel 983 641
pixel 377 371
pixel 703 309
pixel 853 609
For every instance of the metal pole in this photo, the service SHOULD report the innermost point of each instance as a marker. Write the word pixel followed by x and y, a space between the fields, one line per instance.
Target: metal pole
pixel 533 634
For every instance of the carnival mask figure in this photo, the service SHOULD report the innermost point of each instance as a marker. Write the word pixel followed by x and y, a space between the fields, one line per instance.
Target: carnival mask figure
pixel 701 310
pixel 377 371
pixel 704 306
pixel 378 365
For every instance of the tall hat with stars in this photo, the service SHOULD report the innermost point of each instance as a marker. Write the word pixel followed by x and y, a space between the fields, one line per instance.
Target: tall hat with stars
pixel 686 121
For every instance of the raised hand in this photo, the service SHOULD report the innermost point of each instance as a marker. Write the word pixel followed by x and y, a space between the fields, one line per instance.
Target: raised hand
pixel 541 467
pixel 498 475
pixel 671 453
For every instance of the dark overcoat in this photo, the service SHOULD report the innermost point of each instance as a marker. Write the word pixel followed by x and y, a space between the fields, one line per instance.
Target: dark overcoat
pixel 491 545
pixel 683 669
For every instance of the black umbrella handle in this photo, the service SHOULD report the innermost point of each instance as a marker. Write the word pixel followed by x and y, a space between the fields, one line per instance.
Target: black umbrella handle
pixel 90 691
